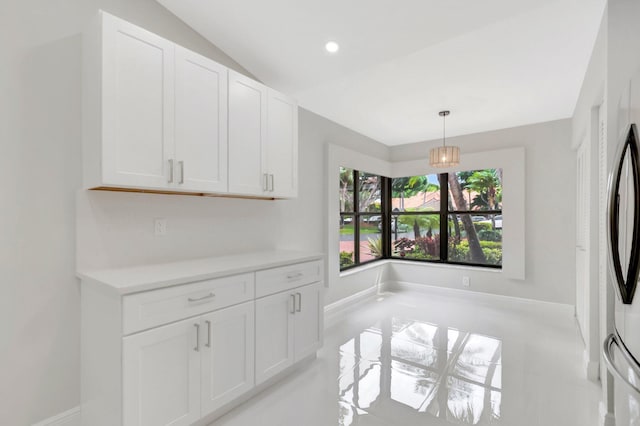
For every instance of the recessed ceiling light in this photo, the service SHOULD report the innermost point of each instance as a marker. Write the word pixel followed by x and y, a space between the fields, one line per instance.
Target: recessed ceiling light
pixel 332 47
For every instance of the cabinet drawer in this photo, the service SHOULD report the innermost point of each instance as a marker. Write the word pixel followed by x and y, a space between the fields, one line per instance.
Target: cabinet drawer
pixel 274 280
pixel 152 308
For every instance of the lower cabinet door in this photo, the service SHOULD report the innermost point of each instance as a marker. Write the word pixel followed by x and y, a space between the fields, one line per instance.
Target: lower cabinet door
pixel 227 355
pixel 161 375
pixel 308 333
pixel 274 334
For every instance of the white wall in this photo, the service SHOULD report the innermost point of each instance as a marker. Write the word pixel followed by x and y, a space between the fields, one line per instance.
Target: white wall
pixel 586 129
pixel 593 87
pixel 117 229
pixel 549 214
pixel 40 127
pixel 306 220
pixel 359 279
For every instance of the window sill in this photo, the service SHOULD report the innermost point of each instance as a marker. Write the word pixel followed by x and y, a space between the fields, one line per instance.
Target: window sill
pixel 366 266
pixel 383 262
pixel 444 265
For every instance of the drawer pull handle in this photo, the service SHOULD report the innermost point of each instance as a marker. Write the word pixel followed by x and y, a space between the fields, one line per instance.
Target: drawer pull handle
pixel 199 299
pixel 208 344
pixel 295 276
pixel 292 298
pixel 299 302
pixel 197 348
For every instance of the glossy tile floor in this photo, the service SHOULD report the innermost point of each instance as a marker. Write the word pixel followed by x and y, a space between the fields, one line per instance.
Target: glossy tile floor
pixel 413 358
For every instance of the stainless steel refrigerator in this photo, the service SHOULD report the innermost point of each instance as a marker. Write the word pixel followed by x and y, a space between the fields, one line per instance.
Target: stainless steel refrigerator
pixel 621 349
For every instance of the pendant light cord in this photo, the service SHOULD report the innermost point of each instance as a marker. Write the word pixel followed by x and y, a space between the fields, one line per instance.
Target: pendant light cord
pixel 444 118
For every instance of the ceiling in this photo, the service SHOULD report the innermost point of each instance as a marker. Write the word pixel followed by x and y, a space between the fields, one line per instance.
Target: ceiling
pixel 493 63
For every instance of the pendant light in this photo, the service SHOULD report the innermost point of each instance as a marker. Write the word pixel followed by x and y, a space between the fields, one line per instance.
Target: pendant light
pixel 444 156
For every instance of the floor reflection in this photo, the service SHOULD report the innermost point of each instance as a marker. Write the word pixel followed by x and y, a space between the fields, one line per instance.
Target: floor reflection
pixel 401 367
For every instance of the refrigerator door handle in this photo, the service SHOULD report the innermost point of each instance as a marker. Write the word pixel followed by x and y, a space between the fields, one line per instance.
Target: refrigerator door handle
pixel 627 157
pixel 608 359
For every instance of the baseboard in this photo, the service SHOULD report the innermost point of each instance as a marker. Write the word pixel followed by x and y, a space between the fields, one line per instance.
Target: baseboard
pixel 562 308
pixel 335 311
pixel 606 418
pixel 592 368
pixel 68 418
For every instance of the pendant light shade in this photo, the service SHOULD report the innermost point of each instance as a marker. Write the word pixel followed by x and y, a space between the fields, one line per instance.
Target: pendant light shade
pixel 444 156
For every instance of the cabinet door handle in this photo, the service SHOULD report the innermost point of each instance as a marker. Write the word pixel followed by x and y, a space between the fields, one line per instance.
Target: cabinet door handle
pixel 265 186
pixel 199 299
pixel 170 180
pixel 294 276
pixel 292 299
pixel 271 178
pixel 299 302
pixel 208 344
pixel 197 348
pixel 181 163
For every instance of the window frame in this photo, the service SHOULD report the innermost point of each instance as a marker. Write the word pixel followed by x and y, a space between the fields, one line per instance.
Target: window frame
pixel 357 214
pixel 387 215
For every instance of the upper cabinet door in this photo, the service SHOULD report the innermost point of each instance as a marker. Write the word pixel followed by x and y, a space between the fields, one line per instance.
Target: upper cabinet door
pixel 201 123
pixel 282 151
pixel 247 135
pixel 137 105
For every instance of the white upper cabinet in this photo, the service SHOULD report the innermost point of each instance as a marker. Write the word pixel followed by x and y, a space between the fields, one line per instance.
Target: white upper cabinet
pixel 137 105
pixel 282 145
pixel 155 113
pixel 200 123
pixel 160 117
pixel 247 136
pixel 263 140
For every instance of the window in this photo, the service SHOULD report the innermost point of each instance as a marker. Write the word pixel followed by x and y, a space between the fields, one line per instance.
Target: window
pixel 416 205
pixel 446 218
pixel 360 217
pixel 475 217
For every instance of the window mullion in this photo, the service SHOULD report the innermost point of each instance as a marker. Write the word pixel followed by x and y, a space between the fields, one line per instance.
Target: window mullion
pixel 444 216
pixel 386 218
pixel 356 217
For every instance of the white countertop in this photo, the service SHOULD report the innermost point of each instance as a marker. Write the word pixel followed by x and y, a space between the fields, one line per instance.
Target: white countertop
pixel 153 276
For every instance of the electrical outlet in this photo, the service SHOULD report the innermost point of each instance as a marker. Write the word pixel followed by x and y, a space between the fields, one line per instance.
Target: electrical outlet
pixel 465 282
pixel 160 226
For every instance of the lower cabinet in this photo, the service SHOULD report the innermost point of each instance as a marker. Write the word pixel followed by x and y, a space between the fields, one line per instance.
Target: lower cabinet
pixel 182 354
pixel 177 373
pixel 307 334
pixel 228 356
pixel 288 329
